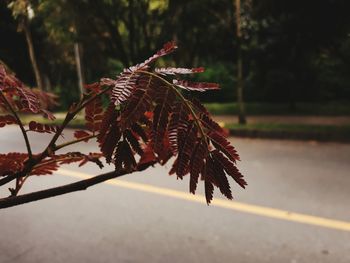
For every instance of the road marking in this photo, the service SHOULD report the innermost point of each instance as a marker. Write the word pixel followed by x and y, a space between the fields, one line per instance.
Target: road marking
pixel 232 205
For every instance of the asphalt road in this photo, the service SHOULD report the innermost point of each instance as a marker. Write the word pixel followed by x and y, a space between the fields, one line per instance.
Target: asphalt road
pixel 134 222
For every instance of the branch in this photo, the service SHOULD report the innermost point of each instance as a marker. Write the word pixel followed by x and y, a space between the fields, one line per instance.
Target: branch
pixel 10 108
pixel 51 146
pixel 60 190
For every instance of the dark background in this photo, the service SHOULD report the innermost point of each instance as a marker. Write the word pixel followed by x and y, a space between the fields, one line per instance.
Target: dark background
pixel 293 51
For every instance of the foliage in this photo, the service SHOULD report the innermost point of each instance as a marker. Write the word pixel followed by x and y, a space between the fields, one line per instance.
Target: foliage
pixel 293 50
pixel 148 121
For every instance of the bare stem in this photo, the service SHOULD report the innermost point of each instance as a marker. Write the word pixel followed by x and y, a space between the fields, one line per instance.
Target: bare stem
pixel 57 147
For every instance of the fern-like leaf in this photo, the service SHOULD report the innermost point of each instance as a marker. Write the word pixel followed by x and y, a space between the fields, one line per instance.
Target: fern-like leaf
pixel 94 112
pixel 123 86
pixel 186 151
pixel 167 48
pixel 41 128
pixel 124 157
pixel 110 133
pixel 175 71
pixel 6 120
pixel 164 101
pixel 196 165
pixel 136 128
pixel 229 168
pixel 139 102
pixel 80 134
pixel 211 125
pixel 177 127
pixel 147 159
pixel 45 168
pixel 224 146
pixel 133 140
pixel 11 163
pixel 195 86
pixel 220 178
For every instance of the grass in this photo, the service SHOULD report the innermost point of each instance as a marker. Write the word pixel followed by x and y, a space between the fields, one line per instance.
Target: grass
pixel 259 130
pixel 330 109
pixel 292 131
pixel 77 122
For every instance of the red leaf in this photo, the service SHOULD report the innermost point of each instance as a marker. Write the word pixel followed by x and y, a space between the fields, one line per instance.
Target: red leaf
pixel 110 142
pixel 123 86
pixel 177 126
pixel 6 120
pixel 147 159
pixel 209 191
pixel 81 134
pixel 22 98
pixel 168 48
pixel 136 128
pixel 211 125
pixel 164 100
pixel 229 168
pixel 224 146
pixel 124 158
pixel 185 153
pixel 94 115
pixel 94 87
pixel 133 140
pixel 220 177
pixel 109 134
pixel 45 168
pixel 47 100
pixel 197 161
pixel 42 128
pixel 11 163
pixel 139 102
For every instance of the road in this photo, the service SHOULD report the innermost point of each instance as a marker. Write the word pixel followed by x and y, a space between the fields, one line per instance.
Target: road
pixel 149 217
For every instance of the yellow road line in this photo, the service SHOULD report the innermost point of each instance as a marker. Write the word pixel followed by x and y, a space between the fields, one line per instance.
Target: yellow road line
pixel 232 205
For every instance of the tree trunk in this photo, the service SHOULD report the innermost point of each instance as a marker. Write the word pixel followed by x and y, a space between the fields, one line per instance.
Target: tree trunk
pixel 240 81
pixel 32 56
pixel 79 65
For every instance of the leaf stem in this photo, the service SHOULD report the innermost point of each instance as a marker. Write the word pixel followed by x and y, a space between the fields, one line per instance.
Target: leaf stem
pixel 183 99
pixel 57 147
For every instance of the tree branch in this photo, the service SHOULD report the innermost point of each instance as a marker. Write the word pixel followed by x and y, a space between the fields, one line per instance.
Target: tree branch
pixel 51 146
pixel 60 190
pixel 19 122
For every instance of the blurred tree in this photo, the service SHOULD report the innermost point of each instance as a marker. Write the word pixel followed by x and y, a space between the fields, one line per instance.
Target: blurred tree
pixel 292 34
pixel 240 81
pixel 291 50
pixel 23 12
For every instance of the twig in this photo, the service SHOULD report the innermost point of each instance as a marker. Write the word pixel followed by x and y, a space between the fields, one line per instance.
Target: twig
pixel 57 147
